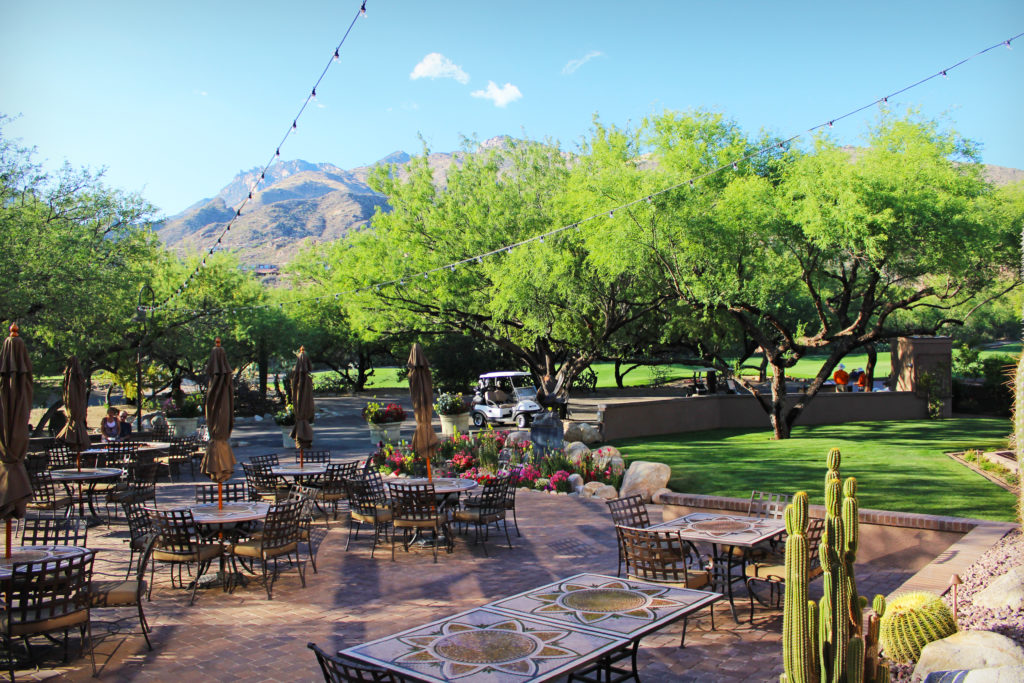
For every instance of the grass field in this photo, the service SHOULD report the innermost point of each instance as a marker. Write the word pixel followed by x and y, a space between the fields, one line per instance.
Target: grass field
pixel 898 465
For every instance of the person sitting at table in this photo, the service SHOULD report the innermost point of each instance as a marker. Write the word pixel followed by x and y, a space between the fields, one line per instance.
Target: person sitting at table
pixel 110 426
pixel 125 424
pixel 842 378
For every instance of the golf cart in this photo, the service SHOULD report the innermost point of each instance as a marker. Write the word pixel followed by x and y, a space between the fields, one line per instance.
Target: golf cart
pixel 505 397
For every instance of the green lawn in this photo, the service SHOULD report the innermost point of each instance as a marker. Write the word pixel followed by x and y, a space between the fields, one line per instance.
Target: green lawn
pixel 898 465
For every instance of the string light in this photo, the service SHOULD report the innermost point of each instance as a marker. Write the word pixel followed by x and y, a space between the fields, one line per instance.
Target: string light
pixel 648 198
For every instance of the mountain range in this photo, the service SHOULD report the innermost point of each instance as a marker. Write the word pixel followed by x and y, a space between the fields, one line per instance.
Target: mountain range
pixel 301 203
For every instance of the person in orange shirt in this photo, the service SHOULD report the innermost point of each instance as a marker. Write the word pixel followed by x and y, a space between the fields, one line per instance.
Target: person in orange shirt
pixel 862 381
pixel 841 378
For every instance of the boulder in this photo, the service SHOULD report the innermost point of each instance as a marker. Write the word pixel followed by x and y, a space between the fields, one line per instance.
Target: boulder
pixel 606 492
pixel 573 432
pixel 996 674
pixel 656 496
pixel 590 488
pixel 576 452
pixel 576 483
pixel 968 650
pixel 1005 592
pixel 589 434
pixel 609 456
pixel 644 478
pixel 517 437
pixel 255 418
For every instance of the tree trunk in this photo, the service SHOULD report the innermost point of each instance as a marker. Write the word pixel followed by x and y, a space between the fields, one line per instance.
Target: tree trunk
pixel 47 416
pixel 263 362
pixel 780 421
pixel 618 374
pixel 762 374
pixel 869 369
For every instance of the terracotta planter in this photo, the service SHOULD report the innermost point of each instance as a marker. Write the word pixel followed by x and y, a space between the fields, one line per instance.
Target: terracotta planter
pixel 389 432
pixel 450 423
pixel 183 426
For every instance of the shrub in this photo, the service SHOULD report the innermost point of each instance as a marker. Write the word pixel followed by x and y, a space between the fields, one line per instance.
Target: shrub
pixel 450 404
pixel 330 383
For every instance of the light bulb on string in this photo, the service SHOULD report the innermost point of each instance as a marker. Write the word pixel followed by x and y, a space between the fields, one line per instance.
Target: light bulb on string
pixel 735 166
pixel 277 154
pixel 691 184
pixel 336 56
pixel 1007 44
pixel 295 125
pixel 312 95
pixel 611 214
pixel 362 10
pixel 944 74
pixel 831 124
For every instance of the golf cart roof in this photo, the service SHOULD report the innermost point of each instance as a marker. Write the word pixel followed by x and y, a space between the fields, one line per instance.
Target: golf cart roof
pixel 495 375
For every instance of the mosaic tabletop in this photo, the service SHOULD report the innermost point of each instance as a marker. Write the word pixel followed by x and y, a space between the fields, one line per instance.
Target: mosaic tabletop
pixel 441 484
pixel 306 470
pixel 725 529
pixel 37 553
pixel 619 606
pixel 231 513
pixel 86 473
pixel 487 645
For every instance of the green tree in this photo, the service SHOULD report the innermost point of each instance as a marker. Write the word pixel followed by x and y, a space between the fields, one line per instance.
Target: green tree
pixel 827 251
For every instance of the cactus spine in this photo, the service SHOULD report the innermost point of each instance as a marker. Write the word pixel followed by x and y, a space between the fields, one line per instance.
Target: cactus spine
pixel 911 621
pixel 824 642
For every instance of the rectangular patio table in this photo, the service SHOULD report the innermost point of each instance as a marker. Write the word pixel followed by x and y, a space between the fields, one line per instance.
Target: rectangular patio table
pixel 539 634
pixel 732 531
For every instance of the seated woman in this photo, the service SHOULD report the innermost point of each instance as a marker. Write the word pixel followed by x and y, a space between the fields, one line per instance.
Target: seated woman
pixel 110 426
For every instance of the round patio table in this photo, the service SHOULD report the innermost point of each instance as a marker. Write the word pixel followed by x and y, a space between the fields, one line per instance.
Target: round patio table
pixel 37 553
pixel 306 470
pixel 230 515
pixel 87 475
pixel 442 485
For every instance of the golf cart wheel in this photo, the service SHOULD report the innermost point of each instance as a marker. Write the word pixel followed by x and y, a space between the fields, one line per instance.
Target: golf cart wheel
pixel 522 420
pixel 479 420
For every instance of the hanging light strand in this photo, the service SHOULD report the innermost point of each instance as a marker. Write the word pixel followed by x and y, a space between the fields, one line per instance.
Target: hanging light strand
pixel 335 54
pixel 607 213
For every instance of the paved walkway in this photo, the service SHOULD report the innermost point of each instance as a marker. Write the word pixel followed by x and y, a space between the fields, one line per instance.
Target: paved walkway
pixel 353 598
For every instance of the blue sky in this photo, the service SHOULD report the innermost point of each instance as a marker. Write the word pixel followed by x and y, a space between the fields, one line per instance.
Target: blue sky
pixel 175 99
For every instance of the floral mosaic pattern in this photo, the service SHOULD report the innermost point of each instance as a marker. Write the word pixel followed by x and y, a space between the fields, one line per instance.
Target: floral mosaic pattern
pixel 488 646
pixel 623 606
pixel 728 529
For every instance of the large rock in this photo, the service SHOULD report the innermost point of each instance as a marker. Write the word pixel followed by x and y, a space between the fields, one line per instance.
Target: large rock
pixel 576 483
pixel 606 492
pixel 656 496
pixel 590 488
pixel 589 434
pixel 517 437
pixel 998 674
pixel 644 478
pixel 576 452
pixel 573 432
pixel 1006 591
pixel 968 650
pixel 609 456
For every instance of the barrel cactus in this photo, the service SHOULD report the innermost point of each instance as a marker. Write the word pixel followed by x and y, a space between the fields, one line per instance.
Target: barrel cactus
pixel 911 621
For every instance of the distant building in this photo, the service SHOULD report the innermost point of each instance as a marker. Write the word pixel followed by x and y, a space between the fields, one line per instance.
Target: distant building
pixel 266 269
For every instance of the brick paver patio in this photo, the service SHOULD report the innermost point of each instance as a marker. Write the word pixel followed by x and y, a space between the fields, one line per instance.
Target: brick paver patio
pixel 353 598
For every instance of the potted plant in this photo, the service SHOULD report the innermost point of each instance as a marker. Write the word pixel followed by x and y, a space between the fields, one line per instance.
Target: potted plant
pixel 384 421
pixel 183 418
pixel 454 413
pixel 285 419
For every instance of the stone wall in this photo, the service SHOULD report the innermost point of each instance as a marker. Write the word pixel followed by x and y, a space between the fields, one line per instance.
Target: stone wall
pixel 735 411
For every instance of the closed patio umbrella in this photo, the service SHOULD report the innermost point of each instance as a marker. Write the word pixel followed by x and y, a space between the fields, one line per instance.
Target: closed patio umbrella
pixel 15 409
pixel 219 461
pixel 74 433
pixel 302 393
pixel 425 440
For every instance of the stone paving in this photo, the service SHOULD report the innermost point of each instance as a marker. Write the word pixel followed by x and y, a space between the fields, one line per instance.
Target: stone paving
pixel 353 597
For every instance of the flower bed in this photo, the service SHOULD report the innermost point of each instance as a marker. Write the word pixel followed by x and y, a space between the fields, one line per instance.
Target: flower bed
pixel 477 457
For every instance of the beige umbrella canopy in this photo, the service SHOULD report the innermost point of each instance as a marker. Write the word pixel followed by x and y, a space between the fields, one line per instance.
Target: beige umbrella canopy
pixel 302 394
pixel 15 410
pixel 425 440
pixel 74 433
pixel 219 461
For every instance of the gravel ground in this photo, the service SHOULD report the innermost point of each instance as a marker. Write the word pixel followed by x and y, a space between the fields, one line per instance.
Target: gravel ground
pixel 1000 558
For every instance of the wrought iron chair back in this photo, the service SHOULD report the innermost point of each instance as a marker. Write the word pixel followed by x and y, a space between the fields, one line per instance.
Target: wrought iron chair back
pixel 768 505
pixel 339 670
pixel 231 492
pixel 55 531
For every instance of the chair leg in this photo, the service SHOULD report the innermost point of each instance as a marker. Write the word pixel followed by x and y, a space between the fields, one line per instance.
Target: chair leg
pixel 504 523
pixel 145 625
pixel 515 520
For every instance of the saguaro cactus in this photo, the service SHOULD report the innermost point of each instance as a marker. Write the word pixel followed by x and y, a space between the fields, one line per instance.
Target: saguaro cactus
pixel 824 642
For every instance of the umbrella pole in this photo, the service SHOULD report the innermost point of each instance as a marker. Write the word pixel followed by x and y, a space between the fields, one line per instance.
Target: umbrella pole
pixel 7 545
pixel 220 495
pixel 78 458
pixel 301 456
pixel 430 477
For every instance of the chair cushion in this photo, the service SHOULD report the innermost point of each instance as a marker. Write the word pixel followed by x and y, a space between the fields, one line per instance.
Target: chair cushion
pixel 695 579
pixel 207 551
pixel 476 517
pixel 255 549
pixel 59 502
pixel 114 593
pixel 25 628
pixel 379 517
pixel 417 523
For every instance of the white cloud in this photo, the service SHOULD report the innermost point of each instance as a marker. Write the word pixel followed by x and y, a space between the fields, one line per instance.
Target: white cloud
pixel 201 93
pixel 574 64
pixel 436 65
pixel 500 96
